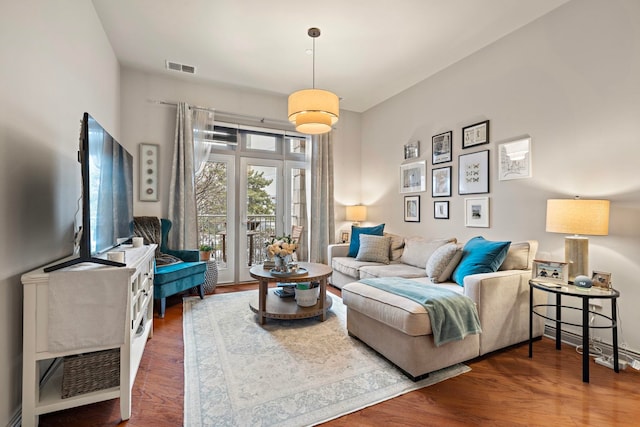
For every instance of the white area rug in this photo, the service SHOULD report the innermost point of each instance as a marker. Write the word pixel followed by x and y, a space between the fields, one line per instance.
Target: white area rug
pixel 284 373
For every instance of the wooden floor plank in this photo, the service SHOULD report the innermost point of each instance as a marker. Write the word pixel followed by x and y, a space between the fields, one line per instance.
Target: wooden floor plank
pixel 505 388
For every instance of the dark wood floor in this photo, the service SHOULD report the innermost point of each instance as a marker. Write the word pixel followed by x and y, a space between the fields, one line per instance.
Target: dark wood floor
pixel 503 389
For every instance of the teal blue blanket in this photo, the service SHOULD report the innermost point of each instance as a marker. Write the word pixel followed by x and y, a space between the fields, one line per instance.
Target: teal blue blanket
pixel 453 316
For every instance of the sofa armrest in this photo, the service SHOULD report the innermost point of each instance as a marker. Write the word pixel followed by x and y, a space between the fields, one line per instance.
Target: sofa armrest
pixel 502 299
pixel 337 250
pixel 185 255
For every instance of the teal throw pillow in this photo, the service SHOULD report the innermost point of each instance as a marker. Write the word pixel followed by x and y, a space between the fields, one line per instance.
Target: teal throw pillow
pixel 354 245
pixel 480 256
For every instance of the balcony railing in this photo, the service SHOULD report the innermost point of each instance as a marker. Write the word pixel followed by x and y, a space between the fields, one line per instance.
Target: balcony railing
pixel 213 232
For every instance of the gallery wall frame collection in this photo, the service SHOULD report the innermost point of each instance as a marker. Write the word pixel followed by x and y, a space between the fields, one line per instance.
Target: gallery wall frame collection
pixel 412 208
pixel 473 174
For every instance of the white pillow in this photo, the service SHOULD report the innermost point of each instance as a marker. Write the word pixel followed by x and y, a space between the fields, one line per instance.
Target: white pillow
pixel 418 250
pixel 443 261
pixel 374 248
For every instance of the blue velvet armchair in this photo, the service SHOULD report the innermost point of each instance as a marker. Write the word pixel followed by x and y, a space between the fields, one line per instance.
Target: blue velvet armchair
pixel 176 277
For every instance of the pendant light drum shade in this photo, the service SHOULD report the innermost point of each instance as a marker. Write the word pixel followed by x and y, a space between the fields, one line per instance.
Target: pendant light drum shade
pixel 313 111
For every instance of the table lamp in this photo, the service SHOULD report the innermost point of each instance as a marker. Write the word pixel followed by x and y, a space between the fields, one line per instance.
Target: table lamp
pixel 356 214
pixel 578 217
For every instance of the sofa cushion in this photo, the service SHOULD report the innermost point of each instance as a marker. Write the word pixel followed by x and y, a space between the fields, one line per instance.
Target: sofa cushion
pixel 391 270
pixel 418 250
pixel 349 266
pixel 354 245
pixel 443 261
pixel 374 248
pixel 520 256
pixel 395 246
pixel 480 256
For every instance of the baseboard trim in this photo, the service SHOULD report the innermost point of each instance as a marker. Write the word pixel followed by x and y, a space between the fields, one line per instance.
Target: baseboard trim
pixel 575 340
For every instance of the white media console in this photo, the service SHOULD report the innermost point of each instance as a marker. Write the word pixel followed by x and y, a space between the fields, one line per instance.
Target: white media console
pixel 44 329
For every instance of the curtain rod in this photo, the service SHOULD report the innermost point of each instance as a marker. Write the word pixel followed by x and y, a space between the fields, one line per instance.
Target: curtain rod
pixel 228 114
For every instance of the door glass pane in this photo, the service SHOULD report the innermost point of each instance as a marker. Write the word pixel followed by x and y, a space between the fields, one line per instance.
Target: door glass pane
pixel 297 145
pixel 211 201
pixel 261 210
pixel 264 142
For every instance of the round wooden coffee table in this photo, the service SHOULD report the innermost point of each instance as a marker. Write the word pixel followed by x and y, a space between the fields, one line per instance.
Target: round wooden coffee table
pixel 269 305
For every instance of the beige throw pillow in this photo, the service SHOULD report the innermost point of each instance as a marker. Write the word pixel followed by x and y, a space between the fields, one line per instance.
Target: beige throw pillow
pixel 395 246
pixel 443 261
pixel 374 248
pixel 418 250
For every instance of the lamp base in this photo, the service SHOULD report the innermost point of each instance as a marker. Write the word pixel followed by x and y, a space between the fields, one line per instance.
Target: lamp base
pixel 576 254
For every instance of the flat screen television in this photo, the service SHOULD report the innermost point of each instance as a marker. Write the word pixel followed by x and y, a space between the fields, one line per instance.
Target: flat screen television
pixel 107 194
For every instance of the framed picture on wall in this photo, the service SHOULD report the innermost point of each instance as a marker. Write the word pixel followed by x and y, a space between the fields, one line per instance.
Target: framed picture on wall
pixel 476 212
pixel 412 177
pixel 473 173
pixel 514 159
pixel 412 150
pixel 441 147
pixel 441 210
pixel 148 172
pixel 476 134
pixel 412 208
pixel 441 181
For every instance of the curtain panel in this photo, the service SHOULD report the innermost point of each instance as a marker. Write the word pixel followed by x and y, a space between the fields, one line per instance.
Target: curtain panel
pixel 322 203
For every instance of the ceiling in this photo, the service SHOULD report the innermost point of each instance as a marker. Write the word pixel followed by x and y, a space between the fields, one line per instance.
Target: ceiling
pixel 369 50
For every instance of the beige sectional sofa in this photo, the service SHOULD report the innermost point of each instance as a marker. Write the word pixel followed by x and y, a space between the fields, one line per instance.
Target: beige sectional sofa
pixel 400 329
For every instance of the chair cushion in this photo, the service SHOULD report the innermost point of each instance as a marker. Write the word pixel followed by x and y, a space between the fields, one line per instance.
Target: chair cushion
pixel 354 245
pixel 480 256
pixel 173 272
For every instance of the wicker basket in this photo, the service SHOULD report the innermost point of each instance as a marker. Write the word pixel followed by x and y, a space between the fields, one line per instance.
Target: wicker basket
pixel 84 373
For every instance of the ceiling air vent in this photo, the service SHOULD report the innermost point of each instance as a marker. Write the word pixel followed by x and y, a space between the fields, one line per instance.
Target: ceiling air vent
pixel 180 67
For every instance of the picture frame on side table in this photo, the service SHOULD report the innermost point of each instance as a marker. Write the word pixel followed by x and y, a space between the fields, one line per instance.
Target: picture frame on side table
pixel 441 182
pixel 550 272
pixel 473 173
pixel 344 236
pixel 411 208
pixel 148 172
pixel 475 134
pixel 441 209
pixel 412 177
pixel 476 212
pixel 441 147
pixel 514 159
pixel 601 279
pixel 412 150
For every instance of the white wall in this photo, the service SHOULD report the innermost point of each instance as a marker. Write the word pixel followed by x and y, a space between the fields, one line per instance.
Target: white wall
pixel 145 121
pixel 570 81
pixel 56 64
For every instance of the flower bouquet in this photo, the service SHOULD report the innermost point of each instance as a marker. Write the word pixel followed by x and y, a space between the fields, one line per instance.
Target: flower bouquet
pixel 280 249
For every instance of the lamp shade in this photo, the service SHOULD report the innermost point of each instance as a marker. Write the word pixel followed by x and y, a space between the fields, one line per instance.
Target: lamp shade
pixel 356 213
pixel 313 111
pixel 578 216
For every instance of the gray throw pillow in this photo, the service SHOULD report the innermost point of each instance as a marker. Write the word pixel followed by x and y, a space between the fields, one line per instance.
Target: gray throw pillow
pixel 374 248
pixel 443 261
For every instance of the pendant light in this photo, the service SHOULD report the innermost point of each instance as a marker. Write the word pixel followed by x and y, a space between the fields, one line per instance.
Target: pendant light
pixel 313 111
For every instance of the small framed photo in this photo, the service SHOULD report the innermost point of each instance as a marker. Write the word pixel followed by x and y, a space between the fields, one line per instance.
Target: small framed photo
pixel 473 173
pixel 514 159
pixel 476 134
pixel 441 147
pixel 412 177
pixel 476 212
pixel 344 236
pixel 411 208
pixel 412 150
pixel 601 279
pixel 551 271
pixel 441 182
pixel 441 210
